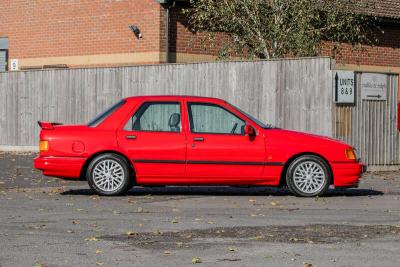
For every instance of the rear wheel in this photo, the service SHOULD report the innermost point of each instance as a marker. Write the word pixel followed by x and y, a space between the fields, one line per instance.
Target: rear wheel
pixel 109 175
pixel 308 176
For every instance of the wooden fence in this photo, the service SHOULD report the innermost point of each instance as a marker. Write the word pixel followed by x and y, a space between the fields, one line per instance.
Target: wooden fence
pixel 289 93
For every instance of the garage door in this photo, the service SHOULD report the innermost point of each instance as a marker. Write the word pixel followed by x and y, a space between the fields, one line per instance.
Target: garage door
pixel 3 60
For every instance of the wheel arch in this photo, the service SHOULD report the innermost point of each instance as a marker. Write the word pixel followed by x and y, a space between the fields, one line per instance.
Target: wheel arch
pixel 88 160
pixel 282 181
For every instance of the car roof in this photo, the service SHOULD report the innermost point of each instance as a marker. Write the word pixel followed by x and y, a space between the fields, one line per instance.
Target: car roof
pixel 174 97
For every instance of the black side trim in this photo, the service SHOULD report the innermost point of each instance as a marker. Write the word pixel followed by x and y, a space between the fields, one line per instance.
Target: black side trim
pixel 159 161
pixel 245 163
pixel 274 163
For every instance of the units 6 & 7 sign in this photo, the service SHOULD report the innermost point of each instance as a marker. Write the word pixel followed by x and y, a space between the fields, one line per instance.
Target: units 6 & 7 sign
pixel 344 87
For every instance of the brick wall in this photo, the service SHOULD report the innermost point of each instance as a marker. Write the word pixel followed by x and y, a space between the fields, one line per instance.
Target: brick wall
pixel 51 28
pixel 386 53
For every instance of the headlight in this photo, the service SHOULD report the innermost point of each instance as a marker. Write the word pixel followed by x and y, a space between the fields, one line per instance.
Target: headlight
pixel 350 154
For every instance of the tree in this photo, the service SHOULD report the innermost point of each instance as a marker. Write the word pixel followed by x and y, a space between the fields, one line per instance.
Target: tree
pixel 275 28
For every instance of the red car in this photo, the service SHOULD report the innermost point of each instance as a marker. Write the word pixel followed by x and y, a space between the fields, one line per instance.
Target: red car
pixel 187 140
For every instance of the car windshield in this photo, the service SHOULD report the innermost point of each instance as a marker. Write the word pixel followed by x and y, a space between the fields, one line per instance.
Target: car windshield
pixel 257 121
pixel 102 116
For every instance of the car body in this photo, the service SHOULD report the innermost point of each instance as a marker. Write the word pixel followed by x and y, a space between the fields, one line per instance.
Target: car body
pixel 187 140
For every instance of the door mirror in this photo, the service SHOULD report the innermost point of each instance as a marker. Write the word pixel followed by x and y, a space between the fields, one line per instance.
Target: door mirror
pixel 249 130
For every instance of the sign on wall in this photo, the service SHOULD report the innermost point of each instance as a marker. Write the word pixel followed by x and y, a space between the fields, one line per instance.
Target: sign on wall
pixel 14 64
pixel 374 86
pixel 344 87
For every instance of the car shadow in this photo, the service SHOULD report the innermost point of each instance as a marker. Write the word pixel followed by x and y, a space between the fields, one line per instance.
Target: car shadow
pixel 226 191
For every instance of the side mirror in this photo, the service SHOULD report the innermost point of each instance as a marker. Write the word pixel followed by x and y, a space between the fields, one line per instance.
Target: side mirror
pixel 249 130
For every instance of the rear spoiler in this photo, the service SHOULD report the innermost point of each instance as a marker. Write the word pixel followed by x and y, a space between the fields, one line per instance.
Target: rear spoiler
pixel 48 125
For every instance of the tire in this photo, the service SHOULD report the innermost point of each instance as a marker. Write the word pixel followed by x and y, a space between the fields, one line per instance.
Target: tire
pixel 109 175
pixel 308 176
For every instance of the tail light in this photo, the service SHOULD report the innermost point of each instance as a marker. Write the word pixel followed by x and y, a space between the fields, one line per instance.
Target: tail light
pixel 43 145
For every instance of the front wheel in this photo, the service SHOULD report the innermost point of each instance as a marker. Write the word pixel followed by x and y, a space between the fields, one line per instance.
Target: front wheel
pixel 308 176
pixel 109 175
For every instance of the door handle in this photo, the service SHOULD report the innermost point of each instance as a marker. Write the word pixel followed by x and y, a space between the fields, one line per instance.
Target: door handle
pixel 198 139
pixel 130 137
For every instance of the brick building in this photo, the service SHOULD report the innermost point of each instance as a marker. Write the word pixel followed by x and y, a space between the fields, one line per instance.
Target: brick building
pixel 56 33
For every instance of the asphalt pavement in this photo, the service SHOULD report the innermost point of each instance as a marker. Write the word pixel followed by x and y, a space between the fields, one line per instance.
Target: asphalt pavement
pixel 51 222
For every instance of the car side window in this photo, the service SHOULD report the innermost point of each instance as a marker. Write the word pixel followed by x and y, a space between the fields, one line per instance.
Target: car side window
pixel 211 118
pixel 156 117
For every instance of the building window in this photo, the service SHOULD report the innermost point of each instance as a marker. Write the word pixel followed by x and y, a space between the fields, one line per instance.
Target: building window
pixel 3 54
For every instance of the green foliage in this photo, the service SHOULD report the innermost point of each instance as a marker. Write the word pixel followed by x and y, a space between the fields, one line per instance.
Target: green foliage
pixel 275 28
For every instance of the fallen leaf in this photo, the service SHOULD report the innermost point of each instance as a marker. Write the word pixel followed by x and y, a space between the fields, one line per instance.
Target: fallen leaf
pixel 228 259
pixel 306 264
pixel 295 239
pixel 259 237
pixel 92 239
pixel 157 232
pixel 233 249
pixel 168 253
pixel 37 226
pixel 196 260
pixel 98 251
pixel 274 203
pixel 130 234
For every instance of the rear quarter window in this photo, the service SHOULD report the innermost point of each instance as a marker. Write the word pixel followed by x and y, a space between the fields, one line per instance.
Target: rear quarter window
pixel 105 114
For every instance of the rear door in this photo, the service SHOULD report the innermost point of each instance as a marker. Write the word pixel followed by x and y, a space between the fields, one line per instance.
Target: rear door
pixel 218 150
pixel 155 142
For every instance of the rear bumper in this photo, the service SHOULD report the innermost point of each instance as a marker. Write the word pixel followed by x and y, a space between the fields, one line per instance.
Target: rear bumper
pixel 66 167
pixel 347 174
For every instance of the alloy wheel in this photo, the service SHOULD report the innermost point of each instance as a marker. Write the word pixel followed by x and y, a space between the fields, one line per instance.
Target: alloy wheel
pixel 108 175
pixel 309 177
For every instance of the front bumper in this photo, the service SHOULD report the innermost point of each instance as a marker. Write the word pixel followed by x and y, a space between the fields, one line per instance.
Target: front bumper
pixel 347 174
pixel 66 167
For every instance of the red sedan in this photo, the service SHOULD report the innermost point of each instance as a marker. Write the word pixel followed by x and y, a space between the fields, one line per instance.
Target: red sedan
pixel 185 140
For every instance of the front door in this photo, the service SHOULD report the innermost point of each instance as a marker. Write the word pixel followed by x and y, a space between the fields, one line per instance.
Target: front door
pixel 218 150
pixel 154 140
